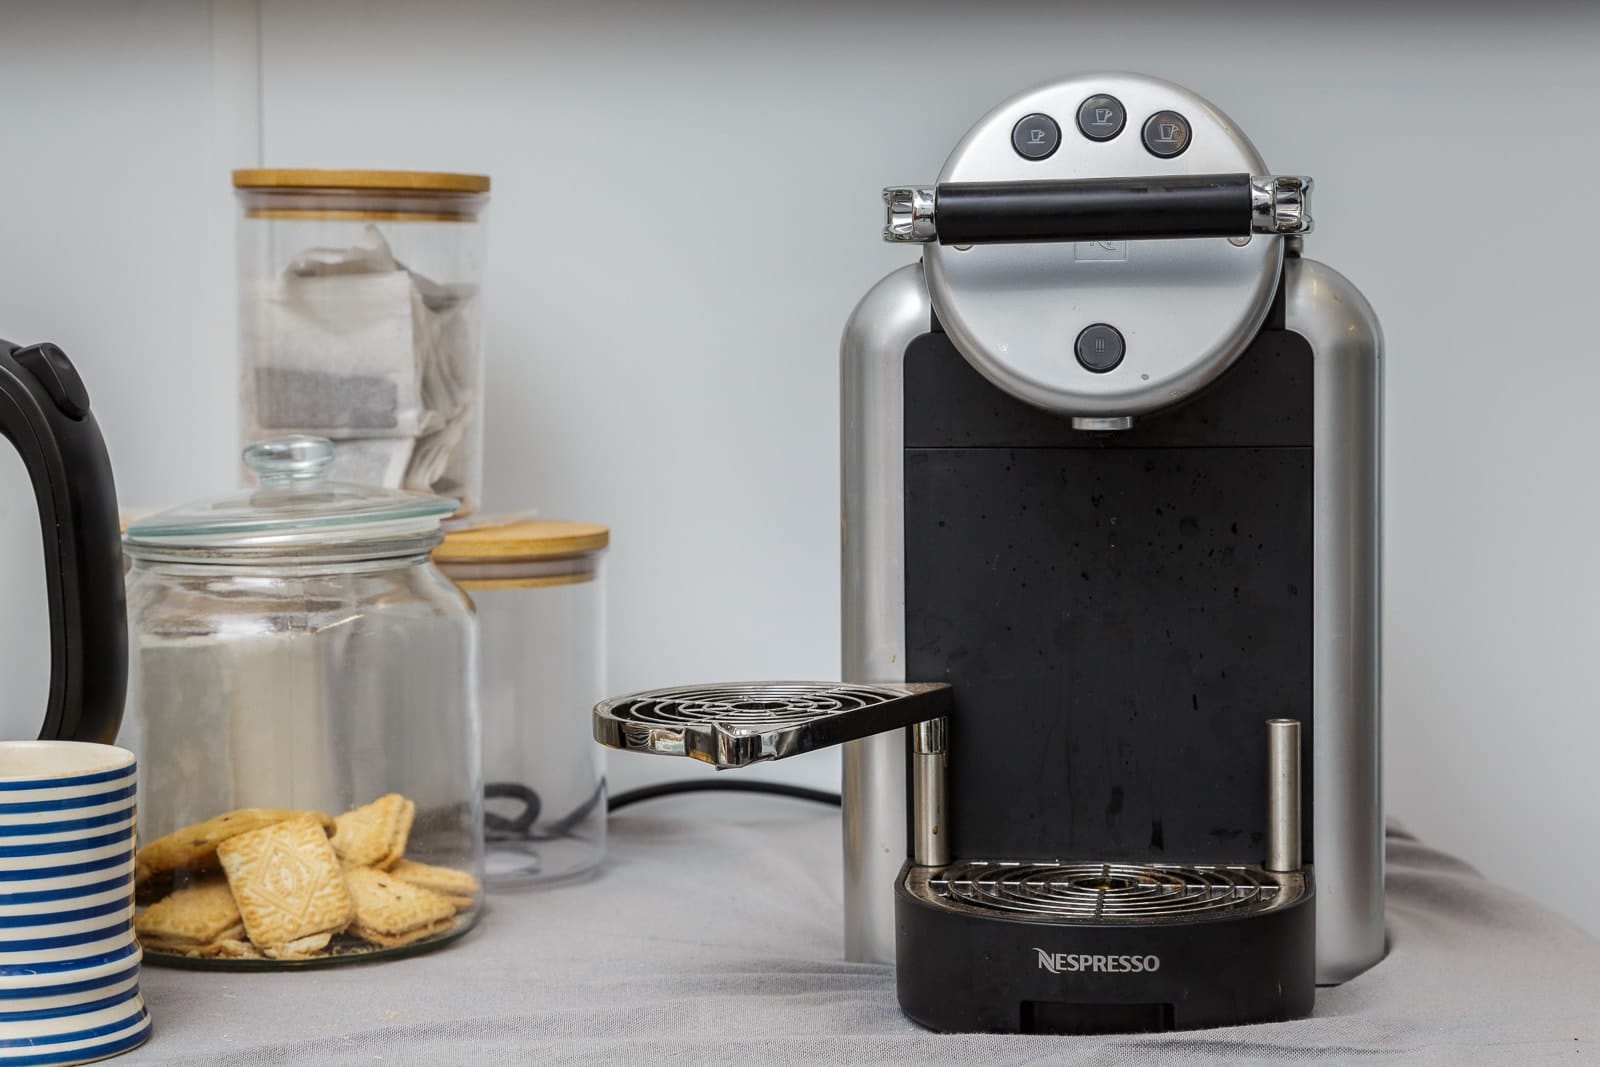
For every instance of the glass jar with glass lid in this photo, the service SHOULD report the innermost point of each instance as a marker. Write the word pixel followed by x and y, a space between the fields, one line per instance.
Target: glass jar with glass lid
pixel 304 705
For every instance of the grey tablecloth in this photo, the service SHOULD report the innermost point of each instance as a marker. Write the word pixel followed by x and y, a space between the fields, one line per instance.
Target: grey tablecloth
pixel 719 943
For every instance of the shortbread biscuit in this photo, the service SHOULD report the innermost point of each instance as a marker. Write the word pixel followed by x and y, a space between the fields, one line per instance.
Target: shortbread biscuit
pixel 287 882
pixel 195 847
pixel 390 912
pixel 204 951
pixel 195 916
pixel 303 949
pixel 446 881
pixel 421 933
pixel 374 835
pixel 229 949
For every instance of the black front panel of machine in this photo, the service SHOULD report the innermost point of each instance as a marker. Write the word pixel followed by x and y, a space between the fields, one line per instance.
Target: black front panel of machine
pixel 1118 613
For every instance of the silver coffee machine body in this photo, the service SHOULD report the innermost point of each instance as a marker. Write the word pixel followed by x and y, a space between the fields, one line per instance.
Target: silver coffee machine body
pixel 1111 533
pixel 1185 308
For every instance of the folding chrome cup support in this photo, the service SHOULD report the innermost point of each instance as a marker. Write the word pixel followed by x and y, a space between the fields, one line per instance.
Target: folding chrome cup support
pixel 930 843
pixel 1283 795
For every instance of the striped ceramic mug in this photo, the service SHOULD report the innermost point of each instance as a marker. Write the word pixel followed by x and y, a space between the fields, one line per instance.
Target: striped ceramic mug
pixel 69 964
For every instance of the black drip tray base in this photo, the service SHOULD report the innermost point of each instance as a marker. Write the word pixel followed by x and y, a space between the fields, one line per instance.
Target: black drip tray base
pixel 1087 947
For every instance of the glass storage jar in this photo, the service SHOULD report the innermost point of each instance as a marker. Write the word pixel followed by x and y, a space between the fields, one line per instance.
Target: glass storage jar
pixel 303 701
pixel 360 320
pixel 539 591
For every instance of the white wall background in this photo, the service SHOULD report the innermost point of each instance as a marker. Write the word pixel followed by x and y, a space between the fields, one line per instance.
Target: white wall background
pixel 663 349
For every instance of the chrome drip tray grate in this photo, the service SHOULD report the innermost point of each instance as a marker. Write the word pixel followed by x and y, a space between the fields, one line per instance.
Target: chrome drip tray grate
pixel 738 723
pixel 748 707
pixel 1104 892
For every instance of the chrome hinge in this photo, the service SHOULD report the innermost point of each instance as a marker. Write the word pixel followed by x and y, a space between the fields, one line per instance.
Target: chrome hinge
pixel 908 214
pixel 1280 204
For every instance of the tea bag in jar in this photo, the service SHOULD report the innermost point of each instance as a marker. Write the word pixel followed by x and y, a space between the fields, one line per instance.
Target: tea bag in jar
pixel 352 346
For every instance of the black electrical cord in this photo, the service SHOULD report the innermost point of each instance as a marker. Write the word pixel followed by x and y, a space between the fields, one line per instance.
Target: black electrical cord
pixel 667 789
pixel 512 825
pixel 519 827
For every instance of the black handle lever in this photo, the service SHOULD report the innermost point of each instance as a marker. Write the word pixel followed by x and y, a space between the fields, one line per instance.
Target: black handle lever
pixel 1099 209
pixel 1107 209
pixel 44 413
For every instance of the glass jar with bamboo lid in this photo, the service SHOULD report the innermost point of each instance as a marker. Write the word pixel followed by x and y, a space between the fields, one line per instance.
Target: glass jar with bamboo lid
pixel 361 321
pixel 538 587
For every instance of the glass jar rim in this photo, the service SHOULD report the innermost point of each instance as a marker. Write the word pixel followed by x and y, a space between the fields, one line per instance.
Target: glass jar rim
pixel 267 554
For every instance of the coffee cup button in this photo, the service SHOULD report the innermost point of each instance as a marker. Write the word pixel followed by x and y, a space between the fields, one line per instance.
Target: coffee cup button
pixel 1102 117
pixel 1166 134
pixel 1035 136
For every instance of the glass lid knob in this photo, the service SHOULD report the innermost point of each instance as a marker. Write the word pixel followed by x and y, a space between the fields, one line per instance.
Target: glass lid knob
pixel 286 460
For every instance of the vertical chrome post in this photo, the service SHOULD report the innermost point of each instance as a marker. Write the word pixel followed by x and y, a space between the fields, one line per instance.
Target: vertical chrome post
pixel 930 839
pixel 1283 795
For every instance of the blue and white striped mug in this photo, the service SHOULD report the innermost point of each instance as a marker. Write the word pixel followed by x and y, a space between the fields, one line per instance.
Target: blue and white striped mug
pixel 69 963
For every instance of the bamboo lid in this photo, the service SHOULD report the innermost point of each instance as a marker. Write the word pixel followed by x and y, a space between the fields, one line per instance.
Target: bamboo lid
pixel 419 182
pixel 530 540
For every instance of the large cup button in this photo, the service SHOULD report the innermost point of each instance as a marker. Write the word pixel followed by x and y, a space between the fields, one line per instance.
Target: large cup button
pixel 1166 134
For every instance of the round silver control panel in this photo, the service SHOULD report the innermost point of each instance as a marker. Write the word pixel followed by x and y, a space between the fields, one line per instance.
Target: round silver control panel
pixel 1179 311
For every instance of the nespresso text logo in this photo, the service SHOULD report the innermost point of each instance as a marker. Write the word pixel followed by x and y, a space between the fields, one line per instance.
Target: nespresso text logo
pixel 1082 963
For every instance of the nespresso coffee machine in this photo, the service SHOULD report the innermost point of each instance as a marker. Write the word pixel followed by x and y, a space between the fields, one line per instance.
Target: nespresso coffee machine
pixel 1111 601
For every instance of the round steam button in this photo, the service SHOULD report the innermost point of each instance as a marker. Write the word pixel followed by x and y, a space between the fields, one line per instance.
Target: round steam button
pixel 1101 117
pixel 1166 134
pixel 1100 348
pixel 1035 136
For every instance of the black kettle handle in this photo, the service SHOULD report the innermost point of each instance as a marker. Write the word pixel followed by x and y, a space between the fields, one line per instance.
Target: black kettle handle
pixel 44 412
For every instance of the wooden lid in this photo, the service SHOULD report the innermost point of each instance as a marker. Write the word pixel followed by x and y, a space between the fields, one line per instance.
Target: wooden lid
pixel 534 539
pixel 399 181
